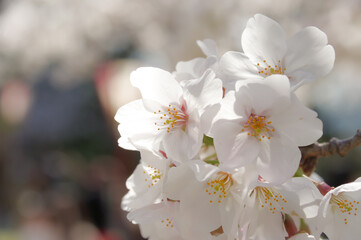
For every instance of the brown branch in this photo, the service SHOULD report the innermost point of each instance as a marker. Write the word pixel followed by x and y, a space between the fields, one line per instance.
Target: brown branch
pixel 311 153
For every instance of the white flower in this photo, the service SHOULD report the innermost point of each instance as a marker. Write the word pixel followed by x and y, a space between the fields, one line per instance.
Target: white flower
pixel 170 117
pixel 267 203
pixel 195 68
pixel 145 185
pixel 158 221
pixel 303 58
pixel 339 214
pixel 209 198
pixel 264 123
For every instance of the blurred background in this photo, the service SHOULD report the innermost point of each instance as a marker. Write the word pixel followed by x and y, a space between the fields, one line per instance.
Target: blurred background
pixel 64 71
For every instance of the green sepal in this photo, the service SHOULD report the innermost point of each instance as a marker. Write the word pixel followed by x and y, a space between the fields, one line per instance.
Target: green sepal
pixel 208 141
pixel 299 173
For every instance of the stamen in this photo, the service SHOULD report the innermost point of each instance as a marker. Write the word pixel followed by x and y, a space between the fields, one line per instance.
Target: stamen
pixel 168 222
pixel 258 126
pixel 152 175
pixel 266 69
pixel 172 118
pixel 344 205
pixel 270 198
pixel 218 187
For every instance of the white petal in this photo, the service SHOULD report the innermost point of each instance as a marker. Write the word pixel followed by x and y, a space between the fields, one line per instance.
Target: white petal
pixel 152 220
pixel 194 135
pixel 264 39
pixel 158 231
pixel 267 226
pixel 136 126
pixel 127 201
pixel 227 110
pixel 202 170
pixel 198 216
pixel 157 85
pixel 237 66
pixel 154 160
pixel 188 69
pixel 234 148
pixel 331 219
pixel 124 142
pixel 129 109
pixel 194 68
pixel 146 214
pixel 208 117
pixel 299 77
pixel 204 91
pixel 270 95
pixel 298 123
pixel 308 196
pixel 140 193
pixel 335 227
pixel 348 187
pixel 243 103
pixel 208 47
pixel 308 51
pixel 322 211
pixel 176 145
pixel 279 159
pixel 302 236
pixel 229 219
pixel 178 178
pixel 246 176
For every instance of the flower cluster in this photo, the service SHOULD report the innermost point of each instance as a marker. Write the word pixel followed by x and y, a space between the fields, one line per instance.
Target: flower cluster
pixel 219 140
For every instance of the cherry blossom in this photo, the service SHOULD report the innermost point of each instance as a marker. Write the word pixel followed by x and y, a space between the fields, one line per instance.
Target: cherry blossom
pixel 212 198
pixel 158 221
pixel 169 117
pixel 304 57
pixel 225 166
pixel 145 185
pixel 263 123
pixel 195 68
pixel 339 214
pixel 267 204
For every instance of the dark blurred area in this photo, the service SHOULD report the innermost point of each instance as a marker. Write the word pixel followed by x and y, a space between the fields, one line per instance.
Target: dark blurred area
pixel 62 174
pixel 64 71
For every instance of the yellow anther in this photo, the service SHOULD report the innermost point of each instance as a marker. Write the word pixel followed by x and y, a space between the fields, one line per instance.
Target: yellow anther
pixel 218 187
pixel 268 198
pixel 172 118
pixel 270 69
pixel 256 125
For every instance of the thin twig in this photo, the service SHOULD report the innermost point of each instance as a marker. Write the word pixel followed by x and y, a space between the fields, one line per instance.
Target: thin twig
pixel 311 153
